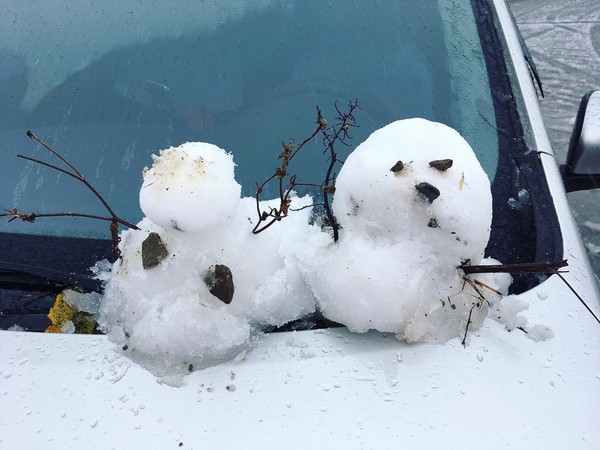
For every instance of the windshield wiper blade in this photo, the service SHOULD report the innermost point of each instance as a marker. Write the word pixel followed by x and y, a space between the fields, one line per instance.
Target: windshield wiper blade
pixel 533 72
pixel 37 278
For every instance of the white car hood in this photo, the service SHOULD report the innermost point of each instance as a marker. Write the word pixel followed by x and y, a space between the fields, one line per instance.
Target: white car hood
pixel 322 388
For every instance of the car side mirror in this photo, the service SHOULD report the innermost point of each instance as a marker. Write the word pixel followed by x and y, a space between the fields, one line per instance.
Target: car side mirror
pixel 582 168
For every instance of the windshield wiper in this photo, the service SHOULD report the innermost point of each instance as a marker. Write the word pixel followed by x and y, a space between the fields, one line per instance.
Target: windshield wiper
pixel 42 279
pixel 533 72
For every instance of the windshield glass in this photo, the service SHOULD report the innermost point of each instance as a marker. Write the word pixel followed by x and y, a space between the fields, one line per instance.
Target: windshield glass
pixel 107 84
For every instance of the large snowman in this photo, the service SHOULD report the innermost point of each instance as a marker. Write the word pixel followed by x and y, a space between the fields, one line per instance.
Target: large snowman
pixel 413 203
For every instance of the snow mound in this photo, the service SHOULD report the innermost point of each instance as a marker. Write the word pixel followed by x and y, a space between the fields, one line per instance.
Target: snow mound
pixel 195 286
pixel 507 312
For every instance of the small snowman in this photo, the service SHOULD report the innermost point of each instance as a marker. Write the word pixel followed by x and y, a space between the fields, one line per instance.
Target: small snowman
pixel 413 203
pixel 194 284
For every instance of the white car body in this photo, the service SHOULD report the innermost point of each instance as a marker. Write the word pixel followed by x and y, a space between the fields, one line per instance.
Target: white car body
pixel 333 388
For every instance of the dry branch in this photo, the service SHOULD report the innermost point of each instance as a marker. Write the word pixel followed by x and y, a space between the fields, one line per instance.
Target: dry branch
pixel 331 135
pixel 542 267
pixel 73 172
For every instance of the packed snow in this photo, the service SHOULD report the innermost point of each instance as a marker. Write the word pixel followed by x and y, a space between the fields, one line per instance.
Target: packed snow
pixel 195 286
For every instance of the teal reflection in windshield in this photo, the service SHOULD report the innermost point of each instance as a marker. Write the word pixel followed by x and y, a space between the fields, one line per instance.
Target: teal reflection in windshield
pixel 111 84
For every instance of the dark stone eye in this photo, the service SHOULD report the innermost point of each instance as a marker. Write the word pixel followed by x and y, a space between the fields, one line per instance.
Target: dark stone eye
pixel 441 164
pixel 429 191
pixel 397 167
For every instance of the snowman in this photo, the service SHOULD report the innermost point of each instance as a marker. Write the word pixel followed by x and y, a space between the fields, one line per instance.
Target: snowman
pixel 413 203
pixel 194 285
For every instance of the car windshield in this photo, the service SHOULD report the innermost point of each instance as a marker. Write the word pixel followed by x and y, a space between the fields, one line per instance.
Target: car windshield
pixel 110 83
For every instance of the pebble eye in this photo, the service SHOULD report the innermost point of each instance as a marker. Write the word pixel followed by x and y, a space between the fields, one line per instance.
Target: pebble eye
pixel 441 164
pixel 397 167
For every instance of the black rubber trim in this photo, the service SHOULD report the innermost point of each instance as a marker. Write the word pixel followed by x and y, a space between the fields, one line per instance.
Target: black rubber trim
pixel 531 233
pixel 50 263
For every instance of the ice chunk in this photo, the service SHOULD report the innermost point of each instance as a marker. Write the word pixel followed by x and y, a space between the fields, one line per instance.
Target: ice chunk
pixel 507 313
pixel 89 303
pixel 101 270
pixel 68 327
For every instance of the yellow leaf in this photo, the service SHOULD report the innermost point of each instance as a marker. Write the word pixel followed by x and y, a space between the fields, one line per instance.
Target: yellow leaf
pixel 62 313
pixel 59 314
pixel 462 181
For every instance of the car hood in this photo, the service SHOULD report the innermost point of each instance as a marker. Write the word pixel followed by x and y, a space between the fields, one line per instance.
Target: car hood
pixel 319 388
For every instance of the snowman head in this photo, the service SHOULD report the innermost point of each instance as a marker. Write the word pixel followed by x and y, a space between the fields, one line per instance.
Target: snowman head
pixel 190 188
pixel 420 181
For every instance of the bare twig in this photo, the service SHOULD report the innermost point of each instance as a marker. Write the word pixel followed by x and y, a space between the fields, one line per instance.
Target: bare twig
pixel 15 214
pixel 286 156
pixel 54 152
pixel 550 268
pixel 339 132
pixel 478 287
pixel 114 219
pixel 79 176
pixel 464 341
pixel 543 267
pixel 312 205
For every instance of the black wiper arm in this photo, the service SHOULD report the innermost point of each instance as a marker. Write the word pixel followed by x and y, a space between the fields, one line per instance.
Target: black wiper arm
pixel 533 72
pixel 36 278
